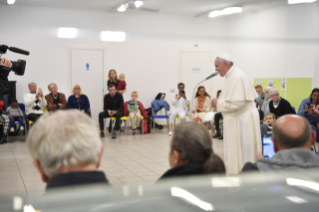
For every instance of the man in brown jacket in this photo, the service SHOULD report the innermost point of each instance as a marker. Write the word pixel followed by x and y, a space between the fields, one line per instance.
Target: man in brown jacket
pixel 55 100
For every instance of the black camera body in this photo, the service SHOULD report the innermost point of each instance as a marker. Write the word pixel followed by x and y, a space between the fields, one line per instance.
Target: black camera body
pixel 18 67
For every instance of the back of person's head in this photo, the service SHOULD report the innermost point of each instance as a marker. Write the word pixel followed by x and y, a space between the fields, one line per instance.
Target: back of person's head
pixel 193 141
pixel 261 115
pixel 292 131
pixel 64 140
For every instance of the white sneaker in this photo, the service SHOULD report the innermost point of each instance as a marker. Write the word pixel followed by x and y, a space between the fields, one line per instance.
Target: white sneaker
pixel 22 128
pixel 12 129
pixel 170 133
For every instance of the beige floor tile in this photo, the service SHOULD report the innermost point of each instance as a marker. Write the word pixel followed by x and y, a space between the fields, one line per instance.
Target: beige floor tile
pixel 34 183
pixel 8 191
pixel 130 180
pixel 35 188
pixel 9 185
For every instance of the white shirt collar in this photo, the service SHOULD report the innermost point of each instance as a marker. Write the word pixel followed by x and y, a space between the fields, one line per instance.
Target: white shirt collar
pixel 229 71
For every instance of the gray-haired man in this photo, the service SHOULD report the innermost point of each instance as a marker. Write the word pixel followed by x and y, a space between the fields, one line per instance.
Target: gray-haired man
pixel 67 149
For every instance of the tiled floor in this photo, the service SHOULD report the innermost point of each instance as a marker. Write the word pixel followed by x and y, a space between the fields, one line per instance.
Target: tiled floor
pixel 128 159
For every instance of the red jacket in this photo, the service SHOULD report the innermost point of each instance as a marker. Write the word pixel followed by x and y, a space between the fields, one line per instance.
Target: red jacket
pixel 143 112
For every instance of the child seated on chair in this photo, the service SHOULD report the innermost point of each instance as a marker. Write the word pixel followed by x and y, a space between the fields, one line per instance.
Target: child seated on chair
pixel 133 107
pixel 121 87
pixel 270 120
pixel 15 114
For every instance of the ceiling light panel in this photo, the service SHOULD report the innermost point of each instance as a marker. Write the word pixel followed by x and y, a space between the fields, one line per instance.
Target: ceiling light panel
pixel 300 1
pixel 226 11
pixel 113 36
pixel 67 32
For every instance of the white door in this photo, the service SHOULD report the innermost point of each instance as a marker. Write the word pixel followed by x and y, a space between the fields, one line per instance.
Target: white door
pixel 87 68
pixel 195 67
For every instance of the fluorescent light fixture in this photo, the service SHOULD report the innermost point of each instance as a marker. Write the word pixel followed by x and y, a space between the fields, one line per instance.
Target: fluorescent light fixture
pixel 67 32
pixel 113 36
pixel 178 192
pixel 222 182
pixel 300 1
pixel 304 183
pixel 226 11
pixel 138 3
pixel 11 1
pixel 122 8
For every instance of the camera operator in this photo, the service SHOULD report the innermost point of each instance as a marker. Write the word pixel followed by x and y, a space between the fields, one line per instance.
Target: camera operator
pixel 4 75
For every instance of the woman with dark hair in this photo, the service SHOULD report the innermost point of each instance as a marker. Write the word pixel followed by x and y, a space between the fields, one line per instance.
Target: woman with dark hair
pixel 201 106
pixel 307 105
pixel 191 152
pixel 279 106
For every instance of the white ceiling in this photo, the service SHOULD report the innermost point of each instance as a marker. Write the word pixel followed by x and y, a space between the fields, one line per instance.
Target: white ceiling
pixel 170 7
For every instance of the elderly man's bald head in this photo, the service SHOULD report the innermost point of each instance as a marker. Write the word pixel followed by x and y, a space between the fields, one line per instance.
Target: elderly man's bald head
pixel 292 131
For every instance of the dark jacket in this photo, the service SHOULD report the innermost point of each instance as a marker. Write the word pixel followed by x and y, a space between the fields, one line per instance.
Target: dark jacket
pixel 82 103
pixel 283 108
pixel 50 102
pixel 263 129
pixel 114 103
pixel 4 72
pixel 285 160
pixel 115 83
pixel 184 170
pixel 77 179
pixel 301 111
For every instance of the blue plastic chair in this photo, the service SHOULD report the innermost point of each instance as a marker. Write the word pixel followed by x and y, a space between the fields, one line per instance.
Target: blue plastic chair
pixel 160 117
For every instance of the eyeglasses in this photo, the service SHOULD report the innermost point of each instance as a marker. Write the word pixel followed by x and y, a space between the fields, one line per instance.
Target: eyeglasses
pixel 76 88
pixel 274 95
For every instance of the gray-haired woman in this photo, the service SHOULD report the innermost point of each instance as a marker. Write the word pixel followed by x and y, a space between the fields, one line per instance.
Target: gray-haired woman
pixel 191 152
pixel 278 105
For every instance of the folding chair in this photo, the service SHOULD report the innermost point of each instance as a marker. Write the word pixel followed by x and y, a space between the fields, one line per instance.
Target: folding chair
pixel 160 117
pixel 113 119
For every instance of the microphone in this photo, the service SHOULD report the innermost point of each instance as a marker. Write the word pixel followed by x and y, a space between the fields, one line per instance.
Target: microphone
pixel 213 75
pixel 19 51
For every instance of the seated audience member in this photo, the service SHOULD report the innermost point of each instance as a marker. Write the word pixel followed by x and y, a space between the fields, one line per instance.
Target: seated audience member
pixel 113 107
pixel 217 117
pixel 113 78
pixel 270 120
pixel 133 108
pixel 201 107
pixel 278 105
pixel 121 87
pixel 191 152
pixel 306 108
pixel 34 103
pixel 261 96
pixel 55 100
pixel 66 149
pixel 315 126
pixel 4 119
pixel 15 114
pixel 263 127
pixel 267 99
pixel 78 100
pixel 179 106
pixel 293 138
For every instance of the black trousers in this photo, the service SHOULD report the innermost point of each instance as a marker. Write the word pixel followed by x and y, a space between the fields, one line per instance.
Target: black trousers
pixel 216 120
pixel 34 117
pixel 104 115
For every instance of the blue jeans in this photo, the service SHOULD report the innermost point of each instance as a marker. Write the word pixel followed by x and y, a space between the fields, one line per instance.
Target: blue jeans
pixel 19 119
pixel 316 129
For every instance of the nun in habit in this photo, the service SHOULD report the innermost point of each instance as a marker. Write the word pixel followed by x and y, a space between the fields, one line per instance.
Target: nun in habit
pixel 242 138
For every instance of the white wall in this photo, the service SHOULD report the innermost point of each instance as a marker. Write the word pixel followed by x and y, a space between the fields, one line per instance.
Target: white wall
pixel 280 42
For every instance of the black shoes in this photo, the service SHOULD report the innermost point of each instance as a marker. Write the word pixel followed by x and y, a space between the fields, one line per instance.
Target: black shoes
pixel 134 131
pixel 221 137
pixel 102 134
pixel 114 135
pixel 3 139
pixel 217 135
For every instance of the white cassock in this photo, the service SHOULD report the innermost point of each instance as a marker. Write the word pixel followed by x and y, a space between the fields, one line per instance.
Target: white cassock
pixel 242 139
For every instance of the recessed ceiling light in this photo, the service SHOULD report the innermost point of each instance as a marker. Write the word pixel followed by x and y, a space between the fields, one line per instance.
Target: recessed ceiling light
pixel 11 1
pixel 122 8
pixel 300 1
pixel 138 3
pixel 226 11
pixel 67 32
pixel 113 36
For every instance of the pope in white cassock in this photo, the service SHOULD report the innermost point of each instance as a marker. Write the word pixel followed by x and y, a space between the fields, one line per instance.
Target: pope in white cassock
pixel 242 138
